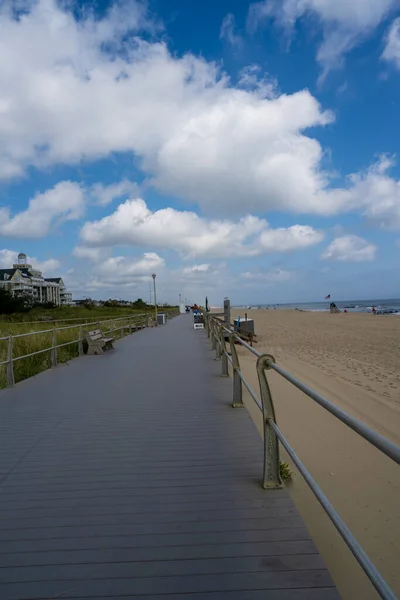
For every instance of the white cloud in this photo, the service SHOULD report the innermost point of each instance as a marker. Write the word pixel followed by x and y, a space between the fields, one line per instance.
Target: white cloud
pixel 133 224
pixel 196 269
pixel 115 273
pixel 376 194
pixel 120 268
pixel 392 49
pixel 290 238
pixel 89 253
pixel 350 248
pixel 104 195
pixel 345 23
pixel 194 134
pixel 228 31
pixel 253 79
pixel 271 276
pixel 10 257
pixel 64 202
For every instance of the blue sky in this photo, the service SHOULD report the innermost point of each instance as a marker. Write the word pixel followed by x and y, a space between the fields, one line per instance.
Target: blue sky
pixel 247 149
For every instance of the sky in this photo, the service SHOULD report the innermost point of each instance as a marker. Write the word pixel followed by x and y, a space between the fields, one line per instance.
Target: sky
pixel 234 148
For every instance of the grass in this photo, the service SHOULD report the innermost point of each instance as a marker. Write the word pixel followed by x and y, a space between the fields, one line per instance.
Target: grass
pixel 285 471
pixel 64 313
pixel 27 367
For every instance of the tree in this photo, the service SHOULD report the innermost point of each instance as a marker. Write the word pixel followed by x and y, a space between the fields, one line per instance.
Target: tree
pixel 10 304
pixel 140 304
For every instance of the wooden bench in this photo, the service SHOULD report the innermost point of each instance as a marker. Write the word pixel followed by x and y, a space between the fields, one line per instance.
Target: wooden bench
pixel 97 342
pixel 247 336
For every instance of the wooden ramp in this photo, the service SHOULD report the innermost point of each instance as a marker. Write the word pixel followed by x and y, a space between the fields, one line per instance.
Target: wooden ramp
pixel 129 475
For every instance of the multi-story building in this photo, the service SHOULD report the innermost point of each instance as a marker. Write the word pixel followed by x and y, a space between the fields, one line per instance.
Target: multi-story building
pixel 24 280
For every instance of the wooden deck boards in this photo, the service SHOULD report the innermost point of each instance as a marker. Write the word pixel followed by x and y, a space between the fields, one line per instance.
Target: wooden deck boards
pixel 129 475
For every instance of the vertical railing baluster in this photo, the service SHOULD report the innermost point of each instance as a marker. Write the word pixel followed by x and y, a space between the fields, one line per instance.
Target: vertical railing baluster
pixel 237 382
pixel 271 475
pixel 10 364
pixel 54 349
pixel 224 358
pixel 218 347
pixel 80 343
pixel 213 337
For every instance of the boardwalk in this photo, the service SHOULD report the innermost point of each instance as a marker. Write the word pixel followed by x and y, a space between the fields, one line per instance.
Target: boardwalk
pixel 128 475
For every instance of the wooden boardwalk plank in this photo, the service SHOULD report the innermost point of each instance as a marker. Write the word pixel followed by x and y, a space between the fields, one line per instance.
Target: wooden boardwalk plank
pixel 129 475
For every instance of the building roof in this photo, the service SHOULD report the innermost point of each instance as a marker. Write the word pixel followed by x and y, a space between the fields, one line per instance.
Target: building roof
pixel 9 272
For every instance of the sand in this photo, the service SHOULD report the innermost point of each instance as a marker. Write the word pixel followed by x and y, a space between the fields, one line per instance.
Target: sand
pixel 354 360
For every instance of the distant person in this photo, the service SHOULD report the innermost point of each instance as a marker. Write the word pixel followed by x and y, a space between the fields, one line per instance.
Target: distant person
pixel 195 309
pixel 373 310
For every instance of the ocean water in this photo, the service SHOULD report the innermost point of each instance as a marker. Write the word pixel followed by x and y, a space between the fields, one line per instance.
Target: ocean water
pixel 391 306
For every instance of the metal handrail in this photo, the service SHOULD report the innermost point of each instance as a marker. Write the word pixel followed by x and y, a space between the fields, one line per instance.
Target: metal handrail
pixel 217 329
pixel 133 321
pixel 43 331
pixel 51 320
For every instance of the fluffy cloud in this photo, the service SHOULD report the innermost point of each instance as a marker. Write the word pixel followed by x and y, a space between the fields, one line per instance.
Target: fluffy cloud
pixel 376 194
pixel 392 49
pixel 228 31
pixel 196 136
pixel 104 195
pixel 290 238
pixel 119 268
pixel 64 202
pixel 90 253
pixel 350 248
pixel 131 273
pixel 271 276
pixel 193 133
pixel 345 23
pixel 10 257
pixel 133 224
pixel 196 269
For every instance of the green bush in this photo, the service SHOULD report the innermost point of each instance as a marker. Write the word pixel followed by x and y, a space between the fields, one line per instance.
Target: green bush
pixel 285 470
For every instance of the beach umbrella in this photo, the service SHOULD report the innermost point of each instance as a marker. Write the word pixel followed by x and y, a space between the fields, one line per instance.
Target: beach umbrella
pixel 207 304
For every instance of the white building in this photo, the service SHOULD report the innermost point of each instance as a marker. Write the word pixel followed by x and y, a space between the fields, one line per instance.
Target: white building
pixel 24 280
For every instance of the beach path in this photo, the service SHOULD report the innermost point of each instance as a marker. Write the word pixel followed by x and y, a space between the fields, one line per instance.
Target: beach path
pixel 129 475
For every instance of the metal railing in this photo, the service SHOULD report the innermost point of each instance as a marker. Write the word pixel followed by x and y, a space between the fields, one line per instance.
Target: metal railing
pixel 49 320
pixel 122 323
pixel 218 331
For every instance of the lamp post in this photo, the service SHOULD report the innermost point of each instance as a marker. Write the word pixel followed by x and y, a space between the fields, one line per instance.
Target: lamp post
pixel 155 297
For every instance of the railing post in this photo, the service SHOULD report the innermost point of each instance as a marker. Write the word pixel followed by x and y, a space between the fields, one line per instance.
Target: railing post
pixel 237 382
pixel 213 337
pixel 206 324
pixel 80 343
pixel 54 349
pixel 224 358
pixel 10 364
pixel 271 475
pixel 218 347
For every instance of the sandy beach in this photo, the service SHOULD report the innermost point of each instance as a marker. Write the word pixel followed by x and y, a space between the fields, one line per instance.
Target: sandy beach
pixel 354 360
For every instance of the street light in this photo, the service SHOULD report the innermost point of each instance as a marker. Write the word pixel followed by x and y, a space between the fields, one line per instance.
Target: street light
pixel 155 297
